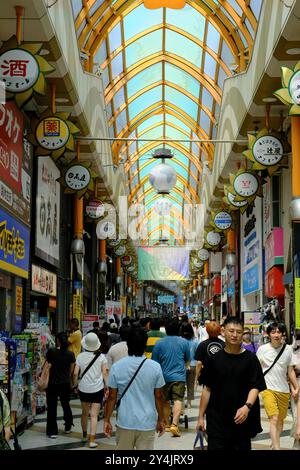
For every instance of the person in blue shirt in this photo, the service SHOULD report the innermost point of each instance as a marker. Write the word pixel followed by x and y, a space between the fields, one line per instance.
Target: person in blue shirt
pixel 140 411
pixel 173 354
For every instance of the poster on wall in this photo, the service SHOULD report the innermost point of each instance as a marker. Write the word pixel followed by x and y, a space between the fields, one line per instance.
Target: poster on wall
pixel 113 310
pixel 48 211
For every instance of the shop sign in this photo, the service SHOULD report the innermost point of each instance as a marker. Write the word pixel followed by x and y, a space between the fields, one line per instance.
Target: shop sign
pixel 224 284
pixel 216 285
pixel 77 177
pixel 14 245
pixel 94 209
pixel 274 282
pixel 294 87
pixel 213 238
pixel 203 254
pixel 18 70
pixel 19 300
pixel 11 148
pixel 77 307
pixel 268 150
pixel 251 249
pixel 120 251
pixel 197 263
pixel 43 281
pixel 267 209
pixel 215 262
pixel 297 302
pixel 52 133
pixel 274 248
pixel 114 242
pixel 47 211
pixel 105 229
pixel 245 184
pixel 165 299
pixel 126 260
pixel 252 318
pixel 251 280
pixel 52 302
pixel 223 220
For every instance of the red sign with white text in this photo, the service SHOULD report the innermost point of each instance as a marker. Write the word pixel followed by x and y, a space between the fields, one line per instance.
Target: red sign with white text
pixel 11 145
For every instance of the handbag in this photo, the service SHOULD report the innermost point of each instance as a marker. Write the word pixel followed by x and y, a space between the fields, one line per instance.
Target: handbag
pixel 129 383
pixel 276 359
pixel 43 380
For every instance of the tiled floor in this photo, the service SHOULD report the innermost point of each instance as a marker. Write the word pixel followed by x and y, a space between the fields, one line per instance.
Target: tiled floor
pixel 35 436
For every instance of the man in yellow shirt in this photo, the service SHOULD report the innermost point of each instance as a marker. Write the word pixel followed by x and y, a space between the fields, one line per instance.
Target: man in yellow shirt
pixel 75 337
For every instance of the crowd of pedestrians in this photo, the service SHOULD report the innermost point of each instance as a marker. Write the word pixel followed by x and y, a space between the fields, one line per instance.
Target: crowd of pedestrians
pixel 147 371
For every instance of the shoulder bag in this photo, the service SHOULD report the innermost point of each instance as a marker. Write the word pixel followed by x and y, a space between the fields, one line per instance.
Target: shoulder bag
pixel 43 380
pixel 89 365
pixel 276 359
pixel 130 382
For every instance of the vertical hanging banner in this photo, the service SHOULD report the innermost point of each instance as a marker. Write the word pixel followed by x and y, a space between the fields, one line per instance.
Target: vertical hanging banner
pixel 48 211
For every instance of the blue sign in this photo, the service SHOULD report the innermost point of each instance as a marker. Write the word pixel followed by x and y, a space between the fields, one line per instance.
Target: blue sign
pixel 251 280
pixel 77 284
pixel 166 299
pixel 14 245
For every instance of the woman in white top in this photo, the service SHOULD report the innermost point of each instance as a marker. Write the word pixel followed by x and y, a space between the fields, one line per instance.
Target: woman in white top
pixel 91 383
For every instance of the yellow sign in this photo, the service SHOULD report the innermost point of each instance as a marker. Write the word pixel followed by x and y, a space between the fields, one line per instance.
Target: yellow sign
pixel 52 133
pixel 77 306
pixel 19 300
pixel 297 302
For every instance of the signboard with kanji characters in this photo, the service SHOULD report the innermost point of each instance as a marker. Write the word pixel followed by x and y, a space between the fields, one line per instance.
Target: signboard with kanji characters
pixel 15 163
pixel 52 133
pixel 19 70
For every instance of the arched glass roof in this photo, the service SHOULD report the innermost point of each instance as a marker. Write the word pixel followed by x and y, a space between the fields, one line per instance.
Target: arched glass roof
pixel 163 71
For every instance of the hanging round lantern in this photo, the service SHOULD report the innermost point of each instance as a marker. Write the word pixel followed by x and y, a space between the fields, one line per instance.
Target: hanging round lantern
pixel 162 206
pixel 162 178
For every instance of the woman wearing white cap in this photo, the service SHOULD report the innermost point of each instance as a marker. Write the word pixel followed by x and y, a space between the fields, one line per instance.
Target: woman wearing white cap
pixel 92 373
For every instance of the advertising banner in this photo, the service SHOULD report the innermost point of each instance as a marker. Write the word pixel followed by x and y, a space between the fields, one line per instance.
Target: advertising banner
pixel 274 248
pixel 43 281
pixel 14 245
pixel 113 309
pixel 48 211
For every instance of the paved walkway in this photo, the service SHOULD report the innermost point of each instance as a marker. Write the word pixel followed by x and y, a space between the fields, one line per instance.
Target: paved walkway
pixel 35 436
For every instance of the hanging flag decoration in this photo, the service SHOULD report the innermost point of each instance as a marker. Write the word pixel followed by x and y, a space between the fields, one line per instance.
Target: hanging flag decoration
pixel 290 93
pixel 229 199
pixel 52 134
pixel 78 178
pixel 22 70
pixel 265 151
pixel 245 184
pixel 221 220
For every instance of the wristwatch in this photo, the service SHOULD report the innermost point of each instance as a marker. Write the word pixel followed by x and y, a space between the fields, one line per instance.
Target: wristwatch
pixel 249 405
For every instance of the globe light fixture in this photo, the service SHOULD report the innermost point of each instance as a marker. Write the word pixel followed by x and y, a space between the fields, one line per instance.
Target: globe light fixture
pixel 162 178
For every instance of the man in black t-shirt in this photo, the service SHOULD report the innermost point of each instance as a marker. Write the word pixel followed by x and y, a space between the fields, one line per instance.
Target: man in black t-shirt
pixel 232 382
pixel 208 348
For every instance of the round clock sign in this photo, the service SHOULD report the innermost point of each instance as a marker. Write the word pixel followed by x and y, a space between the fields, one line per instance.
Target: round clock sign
pixel 203 254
